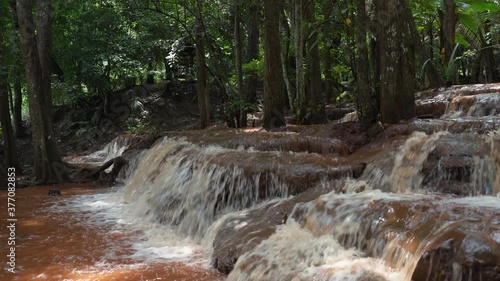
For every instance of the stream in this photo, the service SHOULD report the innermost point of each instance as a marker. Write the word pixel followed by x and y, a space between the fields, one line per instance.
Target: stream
pixel 420 202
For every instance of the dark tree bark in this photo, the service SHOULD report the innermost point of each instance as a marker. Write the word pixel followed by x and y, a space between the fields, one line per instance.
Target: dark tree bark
pixel 315 112
pixel 10 151
pixel 365 104
pixel 48 165
pixel 492 75
pixel 449 23
pixel 239 62
pixel 19 130
pixel 202 87
pixel 430 70
pixel 330 39
pixel 274 98
pixel 396 62
pixel 252 51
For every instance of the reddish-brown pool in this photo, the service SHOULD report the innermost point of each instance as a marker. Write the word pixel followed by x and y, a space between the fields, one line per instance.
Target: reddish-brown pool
pixel 55 245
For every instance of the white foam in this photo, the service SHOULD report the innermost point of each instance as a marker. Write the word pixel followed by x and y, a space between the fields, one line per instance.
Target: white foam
pixel 149 241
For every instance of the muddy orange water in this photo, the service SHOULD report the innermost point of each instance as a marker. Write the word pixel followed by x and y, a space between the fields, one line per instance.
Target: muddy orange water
pixel 65 245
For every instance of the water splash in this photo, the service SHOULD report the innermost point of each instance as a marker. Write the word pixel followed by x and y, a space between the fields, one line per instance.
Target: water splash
pixel 405 174
pixel 294 253
pixel 486 173
pixel 113 149
pixel 476 105
pixel 187 186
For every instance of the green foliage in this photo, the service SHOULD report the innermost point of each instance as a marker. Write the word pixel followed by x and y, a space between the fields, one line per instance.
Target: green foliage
pixel 254 67
pixel 238 105
pixel 141 128
pixel 448 71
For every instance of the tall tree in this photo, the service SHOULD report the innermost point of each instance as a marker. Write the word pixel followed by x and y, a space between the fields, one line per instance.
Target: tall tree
pixel 274 98
pixel 19 130
pixel 448 25
pixel 201 68
pixel 10 151
pixel 36 44
pixel 238 50
pixel 253 40
pixel 396 62
pixel 315 106
pixel 365 103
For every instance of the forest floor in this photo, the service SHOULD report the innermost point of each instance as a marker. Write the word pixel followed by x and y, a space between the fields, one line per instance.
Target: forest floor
pixel 165 109
pixel 82 127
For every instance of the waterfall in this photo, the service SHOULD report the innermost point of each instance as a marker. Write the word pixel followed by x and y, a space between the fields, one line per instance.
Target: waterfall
pixel 404 172
pixel 486 173
pixel 189 187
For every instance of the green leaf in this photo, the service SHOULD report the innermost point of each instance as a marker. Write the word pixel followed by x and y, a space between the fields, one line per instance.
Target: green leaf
pixel 461 40
pixel 483 6
pixel 470 21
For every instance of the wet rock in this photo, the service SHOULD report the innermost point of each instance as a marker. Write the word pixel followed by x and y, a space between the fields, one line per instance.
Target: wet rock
pixel 434 108
pixel 243 231
pixel 332 139
pixel 447 236
pixel 54 192
pixel 335 113
pixel 476 105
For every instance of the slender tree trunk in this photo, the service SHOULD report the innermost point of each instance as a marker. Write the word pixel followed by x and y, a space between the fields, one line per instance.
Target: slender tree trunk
pixel 430 70
pixel 253 52
pixel 48 165
pixel 274 101
pixel 239 62
pixel 489 57
pixel 449 22
pixel 284 66
pixel 10 151
pixel 300 87
pixel 201 69
pixel 397 62
pixel 18 95
pixel 18 106
pixel 315 104
pixel 328 42
pixel 365 103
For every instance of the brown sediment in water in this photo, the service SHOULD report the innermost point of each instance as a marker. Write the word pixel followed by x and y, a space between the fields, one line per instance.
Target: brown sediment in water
pixel 54 246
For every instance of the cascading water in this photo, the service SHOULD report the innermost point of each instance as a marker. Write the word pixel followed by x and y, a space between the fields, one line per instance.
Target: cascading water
pixel 486 174
pixel 186 186
pixel 180 189
pixel 404 176
pixel 395 236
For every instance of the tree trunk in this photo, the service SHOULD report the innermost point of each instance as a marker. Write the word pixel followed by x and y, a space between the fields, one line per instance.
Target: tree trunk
pixel 365 104
pixel 328 42
pixel 48 165
pixel 253 53
pixel 239 63
pixel 274 101
pixel 449 22
pixel 300 87
pixel 489 56
pixel 201 69
pixel 430 70
pixel 18 106
pixel 10 151
pixel 397 62
pixel 19 130
pixel 284 66
pixel 315 105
